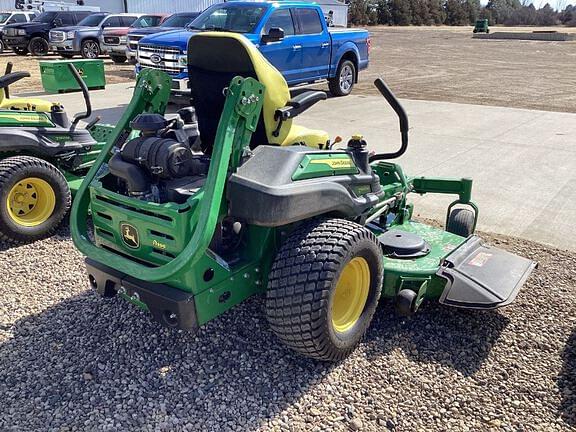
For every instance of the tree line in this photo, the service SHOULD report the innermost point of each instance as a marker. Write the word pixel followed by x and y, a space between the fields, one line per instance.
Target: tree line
pixel 456 12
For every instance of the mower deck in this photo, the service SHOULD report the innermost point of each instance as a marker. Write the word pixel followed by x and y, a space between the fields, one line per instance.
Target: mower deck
pixel 457 271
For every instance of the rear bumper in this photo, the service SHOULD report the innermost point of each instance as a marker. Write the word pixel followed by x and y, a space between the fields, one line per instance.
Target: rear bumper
pixel 169 306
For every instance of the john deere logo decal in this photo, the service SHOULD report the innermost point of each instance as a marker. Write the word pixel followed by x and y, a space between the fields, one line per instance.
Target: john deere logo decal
pixel 130 236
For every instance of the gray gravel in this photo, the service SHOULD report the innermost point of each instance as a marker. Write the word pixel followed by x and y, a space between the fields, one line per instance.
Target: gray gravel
pixel 72 361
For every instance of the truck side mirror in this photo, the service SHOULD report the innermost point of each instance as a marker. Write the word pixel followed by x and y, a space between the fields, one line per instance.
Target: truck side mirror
pixel 275 34
pixel 58 22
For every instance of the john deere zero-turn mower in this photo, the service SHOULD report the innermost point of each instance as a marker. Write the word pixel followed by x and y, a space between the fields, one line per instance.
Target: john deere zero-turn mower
pixel 271 208
pixel 43 158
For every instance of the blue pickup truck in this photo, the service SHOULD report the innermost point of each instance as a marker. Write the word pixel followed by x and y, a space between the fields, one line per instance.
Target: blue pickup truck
pixel 293 36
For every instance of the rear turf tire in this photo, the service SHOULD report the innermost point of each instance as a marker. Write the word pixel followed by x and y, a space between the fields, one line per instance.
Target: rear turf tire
pixel 34 198
pixel 461 222
pixel 324 287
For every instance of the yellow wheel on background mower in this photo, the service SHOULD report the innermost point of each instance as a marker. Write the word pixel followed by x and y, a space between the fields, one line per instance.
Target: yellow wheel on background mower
pixel 31 202
pixel 324 287
pixel 34 198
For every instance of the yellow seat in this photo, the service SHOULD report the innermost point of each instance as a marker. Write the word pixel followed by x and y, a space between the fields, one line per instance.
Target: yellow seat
pixel 26 104
pixel 20 104
pixel 214 58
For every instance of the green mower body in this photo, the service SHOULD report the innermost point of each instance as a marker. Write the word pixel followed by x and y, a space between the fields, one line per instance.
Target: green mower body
pixel 294 223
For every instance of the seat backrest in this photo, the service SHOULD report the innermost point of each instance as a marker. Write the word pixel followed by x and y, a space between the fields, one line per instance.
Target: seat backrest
pixel 214 58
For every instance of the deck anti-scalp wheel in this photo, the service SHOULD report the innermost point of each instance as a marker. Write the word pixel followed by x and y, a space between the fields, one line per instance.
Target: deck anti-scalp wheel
pixel 461 222
pixel 34 198
pixel 324 287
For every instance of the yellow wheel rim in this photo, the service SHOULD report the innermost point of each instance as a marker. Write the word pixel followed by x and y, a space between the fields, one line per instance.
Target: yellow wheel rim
pixel 31 202
pixel 351 294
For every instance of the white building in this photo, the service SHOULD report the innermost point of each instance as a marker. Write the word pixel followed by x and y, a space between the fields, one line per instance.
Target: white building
pixel 339 9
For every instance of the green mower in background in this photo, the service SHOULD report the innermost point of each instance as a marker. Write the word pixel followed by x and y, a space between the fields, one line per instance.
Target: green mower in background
pixel 263 206
pixel 43 157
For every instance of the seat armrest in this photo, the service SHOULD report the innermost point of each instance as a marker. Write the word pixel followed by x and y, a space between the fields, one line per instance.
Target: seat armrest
pixel 299 104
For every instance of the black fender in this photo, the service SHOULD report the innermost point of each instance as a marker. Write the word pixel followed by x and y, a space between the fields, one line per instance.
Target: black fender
pixel 47 142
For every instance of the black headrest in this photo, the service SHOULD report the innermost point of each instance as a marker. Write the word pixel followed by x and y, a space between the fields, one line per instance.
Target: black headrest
pixel 218 54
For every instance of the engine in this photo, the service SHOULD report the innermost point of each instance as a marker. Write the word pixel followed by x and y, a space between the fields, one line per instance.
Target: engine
pixel 159 165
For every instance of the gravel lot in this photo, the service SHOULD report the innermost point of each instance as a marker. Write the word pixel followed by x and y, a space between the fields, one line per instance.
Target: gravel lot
pixel 70 360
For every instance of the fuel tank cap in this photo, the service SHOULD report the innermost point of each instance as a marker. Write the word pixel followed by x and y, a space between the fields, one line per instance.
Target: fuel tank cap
pixel 402 244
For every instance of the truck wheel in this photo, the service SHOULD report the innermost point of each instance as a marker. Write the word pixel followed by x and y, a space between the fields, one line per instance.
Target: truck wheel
pixel 461 222
pixel 20 51
pixel 90 49
pixel 324 287
pixel 118 59
pixel 38 46
pixel 2 46
pixel 343 82
pixel 34 198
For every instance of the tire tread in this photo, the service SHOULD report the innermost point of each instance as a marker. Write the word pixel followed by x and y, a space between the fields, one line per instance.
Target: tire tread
pixel 10 167
pixel 300 281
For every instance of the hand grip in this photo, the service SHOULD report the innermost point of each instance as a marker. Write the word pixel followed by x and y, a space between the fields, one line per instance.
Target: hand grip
pixel 402 117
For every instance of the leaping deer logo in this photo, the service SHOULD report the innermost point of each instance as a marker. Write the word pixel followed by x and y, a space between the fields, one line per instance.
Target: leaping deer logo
pixel 130 236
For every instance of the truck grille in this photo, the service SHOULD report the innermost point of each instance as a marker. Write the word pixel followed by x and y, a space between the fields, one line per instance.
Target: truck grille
pixel 111 40
pixel 160 57
pixel 10 32
pixel 133 42
pixel 57 36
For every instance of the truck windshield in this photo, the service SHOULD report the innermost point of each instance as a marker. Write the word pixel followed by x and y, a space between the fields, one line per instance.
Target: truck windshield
pixel 146 21
pixel 92 20
pixel 45 17
pixel 179 20
pixel 236 18
pixel 4 17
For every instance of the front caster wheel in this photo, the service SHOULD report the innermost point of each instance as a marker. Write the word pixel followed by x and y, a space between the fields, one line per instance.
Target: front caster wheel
pixel 34 198
pixel 461 222
pixel 324 287
pixel 406 302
